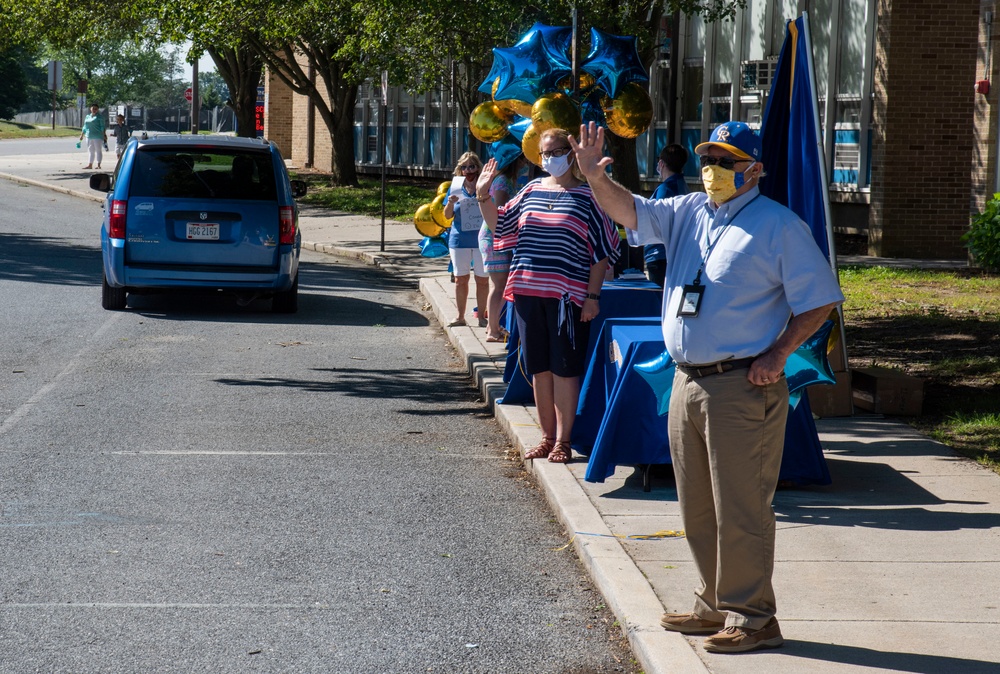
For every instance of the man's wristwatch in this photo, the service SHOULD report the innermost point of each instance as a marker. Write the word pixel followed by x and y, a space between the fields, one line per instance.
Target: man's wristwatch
pixel 593 296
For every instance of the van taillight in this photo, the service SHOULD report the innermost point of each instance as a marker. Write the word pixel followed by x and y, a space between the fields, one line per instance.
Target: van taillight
pixel 286 224
pixel 116 224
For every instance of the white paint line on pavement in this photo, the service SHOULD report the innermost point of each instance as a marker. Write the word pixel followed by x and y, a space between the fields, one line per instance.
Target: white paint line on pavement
pixel 40 394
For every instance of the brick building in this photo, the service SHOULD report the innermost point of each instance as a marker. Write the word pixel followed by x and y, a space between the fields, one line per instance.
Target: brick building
pixel 911 150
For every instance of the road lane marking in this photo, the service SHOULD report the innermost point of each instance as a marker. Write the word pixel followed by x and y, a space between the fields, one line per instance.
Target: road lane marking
pixel 71 366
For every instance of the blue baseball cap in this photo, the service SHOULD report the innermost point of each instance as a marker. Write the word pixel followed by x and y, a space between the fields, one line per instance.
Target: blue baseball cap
pixel 735 137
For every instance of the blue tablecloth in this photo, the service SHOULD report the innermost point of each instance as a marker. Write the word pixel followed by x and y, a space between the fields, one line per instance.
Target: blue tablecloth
pixel 618 299
pixel 630 431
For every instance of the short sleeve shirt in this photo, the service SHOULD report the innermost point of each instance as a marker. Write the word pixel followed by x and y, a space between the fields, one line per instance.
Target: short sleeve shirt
pixel 557 235
pixel 763 266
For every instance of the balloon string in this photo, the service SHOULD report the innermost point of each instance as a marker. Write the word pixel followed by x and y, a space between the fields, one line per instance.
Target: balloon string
pixel 669 533
pixel 520 367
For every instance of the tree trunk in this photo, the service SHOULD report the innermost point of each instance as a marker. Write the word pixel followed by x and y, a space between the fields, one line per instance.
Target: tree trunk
pixel 241 69
pixel 344 170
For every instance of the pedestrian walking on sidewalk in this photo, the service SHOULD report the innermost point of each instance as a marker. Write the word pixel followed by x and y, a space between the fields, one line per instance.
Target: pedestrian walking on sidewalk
pixel 497 262
pixel 745 285
pixel 563 243
pixel 121 133
pixel 95 130
pixel 463 241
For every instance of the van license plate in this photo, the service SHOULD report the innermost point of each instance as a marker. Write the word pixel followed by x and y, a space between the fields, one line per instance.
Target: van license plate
pixel 203 231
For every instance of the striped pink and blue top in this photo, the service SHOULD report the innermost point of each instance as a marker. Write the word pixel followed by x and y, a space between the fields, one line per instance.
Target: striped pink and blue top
pixel 557 235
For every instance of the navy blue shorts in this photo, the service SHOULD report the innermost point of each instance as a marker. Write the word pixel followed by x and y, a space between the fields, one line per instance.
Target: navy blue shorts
pixel 544 349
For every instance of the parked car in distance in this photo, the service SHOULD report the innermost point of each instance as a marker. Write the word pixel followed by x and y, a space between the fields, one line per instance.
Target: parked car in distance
pixel 200 211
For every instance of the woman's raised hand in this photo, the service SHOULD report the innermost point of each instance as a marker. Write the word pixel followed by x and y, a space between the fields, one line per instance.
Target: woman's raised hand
pixel 486 177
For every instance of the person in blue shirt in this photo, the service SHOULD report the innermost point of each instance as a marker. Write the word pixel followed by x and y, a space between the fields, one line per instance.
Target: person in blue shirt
pixel 745 285
pixel 463 240
pixel 671 169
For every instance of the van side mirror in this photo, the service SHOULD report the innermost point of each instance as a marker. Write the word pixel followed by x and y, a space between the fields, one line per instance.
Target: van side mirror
pixel 100 182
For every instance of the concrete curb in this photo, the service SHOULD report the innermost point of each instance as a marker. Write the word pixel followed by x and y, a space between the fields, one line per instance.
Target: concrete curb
pixel 54 188
pixel 625 589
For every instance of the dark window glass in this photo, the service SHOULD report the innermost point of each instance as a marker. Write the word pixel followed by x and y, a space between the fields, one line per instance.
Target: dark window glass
pixel 203 174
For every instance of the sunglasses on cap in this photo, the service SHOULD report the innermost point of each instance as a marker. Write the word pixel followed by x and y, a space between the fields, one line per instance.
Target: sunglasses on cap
pixel 727 163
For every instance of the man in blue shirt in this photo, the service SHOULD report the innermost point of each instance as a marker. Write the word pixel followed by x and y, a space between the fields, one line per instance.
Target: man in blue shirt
pixel 745 285
pixel 671 169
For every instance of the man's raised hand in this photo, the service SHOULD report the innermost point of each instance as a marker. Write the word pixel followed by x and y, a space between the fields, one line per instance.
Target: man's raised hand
pixel 589 150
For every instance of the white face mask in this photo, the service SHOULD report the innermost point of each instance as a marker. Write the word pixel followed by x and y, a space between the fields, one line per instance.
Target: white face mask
pixel 556 166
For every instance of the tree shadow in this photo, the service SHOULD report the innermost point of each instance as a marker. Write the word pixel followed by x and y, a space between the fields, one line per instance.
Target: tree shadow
pixel 42 259
pixel 442 390
pixel 894 661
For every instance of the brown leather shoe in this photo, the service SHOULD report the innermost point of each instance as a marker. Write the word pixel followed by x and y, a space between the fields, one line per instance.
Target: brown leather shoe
pixel 689 623
pixel 743 639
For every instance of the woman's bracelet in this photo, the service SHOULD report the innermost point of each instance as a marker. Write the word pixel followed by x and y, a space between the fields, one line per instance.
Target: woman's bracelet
pixel 482 199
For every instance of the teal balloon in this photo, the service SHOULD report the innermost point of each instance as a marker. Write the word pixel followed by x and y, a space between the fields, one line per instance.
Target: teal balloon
pixel 809 365
pixel 505 151
pixel 659 374
pixel 613 61
pixel 518 127
pixel 434 246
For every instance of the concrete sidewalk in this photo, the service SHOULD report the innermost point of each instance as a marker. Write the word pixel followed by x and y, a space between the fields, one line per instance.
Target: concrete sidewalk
pixel 891 568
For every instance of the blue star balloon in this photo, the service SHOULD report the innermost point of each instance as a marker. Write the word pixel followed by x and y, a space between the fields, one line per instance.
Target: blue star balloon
pixel 557 41
pixel 613 61
pixel 808 364
pixel 498 71
pixel 659 374
pixel 529 71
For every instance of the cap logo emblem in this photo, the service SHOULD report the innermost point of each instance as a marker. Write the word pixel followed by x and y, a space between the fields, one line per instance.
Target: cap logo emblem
pixel 723 134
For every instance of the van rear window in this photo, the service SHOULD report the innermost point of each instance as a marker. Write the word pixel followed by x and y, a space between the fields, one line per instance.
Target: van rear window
pixel 197 174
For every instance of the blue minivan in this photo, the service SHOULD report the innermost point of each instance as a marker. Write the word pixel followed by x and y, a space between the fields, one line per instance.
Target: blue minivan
pixel 200 211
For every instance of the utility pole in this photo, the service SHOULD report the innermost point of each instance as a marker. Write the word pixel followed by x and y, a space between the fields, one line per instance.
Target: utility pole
pixel 195 107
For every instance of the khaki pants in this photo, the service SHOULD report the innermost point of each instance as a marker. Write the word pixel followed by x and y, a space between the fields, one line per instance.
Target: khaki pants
pixel 726 439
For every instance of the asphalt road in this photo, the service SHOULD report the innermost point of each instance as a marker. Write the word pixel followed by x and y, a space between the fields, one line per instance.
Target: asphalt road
pixel 195 486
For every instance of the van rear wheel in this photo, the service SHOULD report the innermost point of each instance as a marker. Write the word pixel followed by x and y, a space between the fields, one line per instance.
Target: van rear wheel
pixel 112 299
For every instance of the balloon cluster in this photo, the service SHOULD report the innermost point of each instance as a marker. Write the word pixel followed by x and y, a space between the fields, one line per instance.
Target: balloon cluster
pixel 429 218
pixel 531 85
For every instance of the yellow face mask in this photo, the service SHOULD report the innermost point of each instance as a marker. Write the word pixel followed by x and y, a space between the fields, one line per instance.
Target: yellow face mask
pixel 721 184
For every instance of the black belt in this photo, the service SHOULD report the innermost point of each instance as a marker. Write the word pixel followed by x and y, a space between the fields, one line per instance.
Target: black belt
pixel 698 371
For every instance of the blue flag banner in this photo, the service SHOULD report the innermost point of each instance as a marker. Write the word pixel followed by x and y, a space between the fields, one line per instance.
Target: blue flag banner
pixel 792 145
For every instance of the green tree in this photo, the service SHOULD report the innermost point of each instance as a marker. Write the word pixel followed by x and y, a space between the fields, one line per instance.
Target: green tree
pixel 213 89
pixel 122 71
pixel 221 29
pixel 13 85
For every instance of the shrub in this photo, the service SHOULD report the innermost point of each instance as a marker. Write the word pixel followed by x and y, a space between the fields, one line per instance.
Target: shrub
pixel 983 237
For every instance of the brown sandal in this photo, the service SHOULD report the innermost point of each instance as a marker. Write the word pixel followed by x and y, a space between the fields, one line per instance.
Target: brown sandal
pixel 561 452
pixel 541 450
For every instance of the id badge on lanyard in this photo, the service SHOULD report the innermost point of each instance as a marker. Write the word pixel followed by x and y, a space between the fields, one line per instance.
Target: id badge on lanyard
pixel 694 292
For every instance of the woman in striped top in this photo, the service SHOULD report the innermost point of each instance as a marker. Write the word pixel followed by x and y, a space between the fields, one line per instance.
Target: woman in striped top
pixel 563 243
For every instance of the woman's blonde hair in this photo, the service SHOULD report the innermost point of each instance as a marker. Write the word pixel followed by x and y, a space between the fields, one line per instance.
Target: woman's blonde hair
pixel 563 135
pixel 466 158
